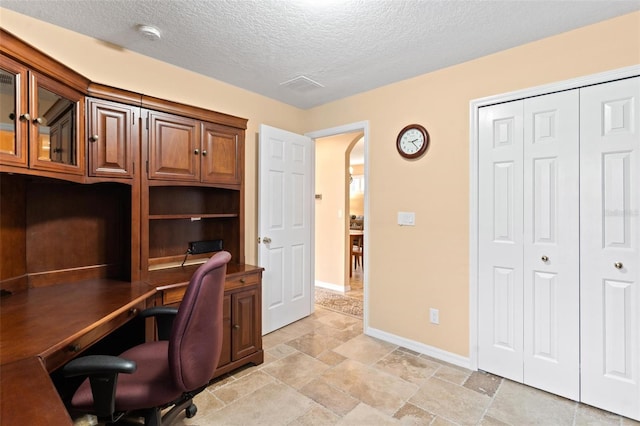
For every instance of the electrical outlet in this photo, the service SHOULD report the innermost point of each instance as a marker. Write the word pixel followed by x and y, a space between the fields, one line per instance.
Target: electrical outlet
pixel 434 316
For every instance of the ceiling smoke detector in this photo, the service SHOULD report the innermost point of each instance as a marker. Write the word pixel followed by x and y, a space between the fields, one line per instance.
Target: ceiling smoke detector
pixel 149 32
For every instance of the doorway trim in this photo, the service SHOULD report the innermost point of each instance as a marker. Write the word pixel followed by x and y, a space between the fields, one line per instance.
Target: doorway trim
pixel 359 126
pixel 474 106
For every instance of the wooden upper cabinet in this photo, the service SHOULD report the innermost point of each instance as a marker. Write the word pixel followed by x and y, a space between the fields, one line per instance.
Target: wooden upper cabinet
pixel 56 132
pixel 44 128
pixel 113 134
pixel 221 154
pixel 15 104
pixel 174 147
pixel 185 149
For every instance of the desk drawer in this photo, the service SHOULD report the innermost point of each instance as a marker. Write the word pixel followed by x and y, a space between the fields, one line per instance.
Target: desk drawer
pixel 66 351
pixel 242 281
pixel 173 295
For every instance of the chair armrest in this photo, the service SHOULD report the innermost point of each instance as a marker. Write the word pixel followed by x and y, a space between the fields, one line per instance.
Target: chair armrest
pixel 98 364
pixel 164 316
pixel 103 373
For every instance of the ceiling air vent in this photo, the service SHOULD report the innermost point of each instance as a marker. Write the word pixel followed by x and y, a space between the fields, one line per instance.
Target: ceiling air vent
pixel 301 84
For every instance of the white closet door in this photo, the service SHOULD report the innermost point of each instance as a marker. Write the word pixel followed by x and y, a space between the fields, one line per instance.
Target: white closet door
pixel 500 240
pixel 610 246
pixel 551 238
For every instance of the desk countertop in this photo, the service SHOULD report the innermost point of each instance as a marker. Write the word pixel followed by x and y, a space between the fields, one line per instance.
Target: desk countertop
pixel 41 320
pixel 39 329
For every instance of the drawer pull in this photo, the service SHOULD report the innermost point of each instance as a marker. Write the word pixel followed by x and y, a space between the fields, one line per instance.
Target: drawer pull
pixel 236 327
pixel 242 280
pixel 75 348
pixel 133 312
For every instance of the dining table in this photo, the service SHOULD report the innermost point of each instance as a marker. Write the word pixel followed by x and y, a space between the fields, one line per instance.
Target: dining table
pixel 354 236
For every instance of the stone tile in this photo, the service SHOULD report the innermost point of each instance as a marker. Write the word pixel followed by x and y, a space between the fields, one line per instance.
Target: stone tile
pixel 365 349
pixel 450 401
pixel 373 387
pixel 484 383
pixel 453 374
pixel 339 321
pixel 272 405
pixel 313 343
pixel 440 421
pixel 629 422
pixel 316 416
pixel 364 415
pixel 242 386
pixel 407 366
pixel 519 404
pixel 206 403
pixel 296 370
pixel 280 351
pixel 326 395
pixel 330 358
pixel 590 416
pixel 490 421
pixel 411 415
pixel 276 337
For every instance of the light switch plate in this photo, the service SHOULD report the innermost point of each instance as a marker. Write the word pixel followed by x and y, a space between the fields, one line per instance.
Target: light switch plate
pixel 406 218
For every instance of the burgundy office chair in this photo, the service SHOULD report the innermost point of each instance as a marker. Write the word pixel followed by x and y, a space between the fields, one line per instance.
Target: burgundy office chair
pixel 162 373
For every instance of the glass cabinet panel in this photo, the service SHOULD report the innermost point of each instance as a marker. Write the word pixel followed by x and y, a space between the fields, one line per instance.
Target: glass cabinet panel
pixel 13 106
pixel 57 122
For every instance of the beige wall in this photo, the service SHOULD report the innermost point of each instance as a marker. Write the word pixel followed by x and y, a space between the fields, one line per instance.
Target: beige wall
pixel 356 200
pixel 414 268
pixel 410 268
pixel 330 210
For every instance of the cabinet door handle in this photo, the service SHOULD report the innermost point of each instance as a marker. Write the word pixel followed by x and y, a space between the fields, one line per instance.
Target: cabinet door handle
pixel 618 265
pixel 196 151
pixel 204 153
pixel 94 138
pixel 236 327
pixel 545 258
pixel 38 120
pixel 24 117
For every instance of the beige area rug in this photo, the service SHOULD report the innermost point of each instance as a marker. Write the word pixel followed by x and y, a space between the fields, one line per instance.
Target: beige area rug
pixel 338 302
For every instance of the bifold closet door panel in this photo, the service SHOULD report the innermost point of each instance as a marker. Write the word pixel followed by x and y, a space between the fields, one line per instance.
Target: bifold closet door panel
pixel 551 255
pixel 500 273
pixel 610 246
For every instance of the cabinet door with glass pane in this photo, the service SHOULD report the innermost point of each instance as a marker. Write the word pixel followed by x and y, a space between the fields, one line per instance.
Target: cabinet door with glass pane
pixel 14 116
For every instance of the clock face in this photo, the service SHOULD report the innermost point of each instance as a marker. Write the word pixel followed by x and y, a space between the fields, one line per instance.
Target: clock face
pixel 412 141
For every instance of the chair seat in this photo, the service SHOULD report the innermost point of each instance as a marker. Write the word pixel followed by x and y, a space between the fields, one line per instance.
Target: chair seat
pixel 149 386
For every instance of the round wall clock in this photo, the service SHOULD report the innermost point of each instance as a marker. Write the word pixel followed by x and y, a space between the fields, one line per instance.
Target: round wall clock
pixel 412 141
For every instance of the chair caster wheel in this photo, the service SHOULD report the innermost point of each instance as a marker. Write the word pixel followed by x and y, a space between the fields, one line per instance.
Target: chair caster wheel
pixel 191 411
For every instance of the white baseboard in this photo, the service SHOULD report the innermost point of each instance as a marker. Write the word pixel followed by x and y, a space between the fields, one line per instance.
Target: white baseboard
pixel 421 348
pixel 333 287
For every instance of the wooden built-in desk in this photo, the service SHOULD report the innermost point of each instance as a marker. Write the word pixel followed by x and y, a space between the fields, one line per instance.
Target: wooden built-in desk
pixel 43 328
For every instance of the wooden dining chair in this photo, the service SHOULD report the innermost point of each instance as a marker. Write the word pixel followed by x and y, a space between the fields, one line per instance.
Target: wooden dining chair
pixel 357 253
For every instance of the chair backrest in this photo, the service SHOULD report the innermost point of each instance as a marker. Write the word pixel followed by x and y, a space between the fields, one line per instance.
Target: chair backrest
pixel 196 337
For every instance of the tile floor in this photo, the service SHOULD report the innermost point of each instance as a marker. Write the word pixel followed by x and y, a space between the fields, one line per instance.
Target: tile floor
pixel 322 370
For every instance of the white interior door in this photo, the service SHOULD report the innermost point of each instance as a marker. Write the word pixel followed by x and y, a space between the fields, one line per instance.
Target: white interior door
pixel 610 246
pixel 551 244
pixel 500 296
pixel 284 226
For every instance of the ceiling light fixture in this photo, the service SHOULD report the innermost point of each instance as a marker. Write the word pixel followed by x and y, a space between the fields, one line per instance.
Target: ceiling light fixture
pixel 149 32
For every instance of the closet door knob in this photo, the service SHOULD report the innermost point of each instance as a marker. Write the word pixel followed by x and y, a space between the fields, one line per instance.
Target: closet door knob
pixel 94 138
pixel 196 151
pixel 38 120
pixel 204 153
pixel 25 117
pixel 618 265
pixel 545 258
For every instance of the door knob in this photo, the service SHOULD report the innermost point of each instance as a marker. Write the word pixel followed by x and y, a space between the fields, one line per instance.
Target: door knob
pixel 618 265
pixel 545 258
pixel 94 138
pixel 38 120
pixel 266 240
pixel 25 117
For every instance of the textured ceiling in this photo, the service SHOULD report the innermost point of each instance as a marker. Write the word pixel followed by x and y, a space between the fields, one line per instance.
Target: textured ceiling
pixel 346 46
